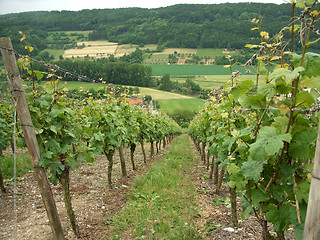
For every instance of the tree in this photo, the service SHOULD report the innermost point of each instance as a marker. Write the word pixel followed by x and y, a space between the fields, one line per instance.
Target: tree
pixel 165 83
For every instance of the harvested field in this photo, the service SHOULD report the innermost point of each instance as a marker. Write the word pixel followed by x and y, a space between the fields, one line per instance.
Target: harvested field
pixel 99 49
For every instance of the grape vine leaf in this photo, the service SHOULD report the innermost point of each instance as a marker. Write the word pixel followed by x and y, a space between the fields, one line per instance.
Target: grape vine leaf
pixel 257 196
pixel 267 89
pixel 281 123
pixel 56 168
pixel 311 63
pixel 280 217
pixel 313 82
pixel 301 142
pixel 286 74
pixel 268 143
pixel 252 169
pixel 242 88
pixel 305 99
pixel 253 101
pixel 300 4
pixel 302 191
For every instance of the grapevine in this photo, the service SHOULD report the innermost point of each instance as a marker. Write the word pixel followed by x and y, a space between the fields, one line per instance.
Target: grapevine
pixel 262 134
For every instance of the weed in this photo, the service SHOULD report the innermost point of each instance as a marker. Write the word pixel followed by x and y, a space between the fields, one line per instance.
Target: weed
pixel 210 227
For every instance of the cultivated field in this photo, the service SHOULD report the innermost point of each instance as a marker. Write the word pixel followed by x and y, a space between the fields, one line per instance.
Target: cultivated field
pixel 98 49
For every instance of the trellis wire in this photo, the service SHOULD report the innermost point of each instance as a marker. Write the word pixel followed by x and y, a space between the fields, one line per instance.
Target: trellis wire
pixel 51 67
pixel 15 172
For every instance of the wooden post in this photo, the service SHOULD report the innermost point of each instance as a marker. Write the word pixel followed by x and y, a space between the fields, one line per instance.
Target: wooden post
pixel 18 95
pixel 312 224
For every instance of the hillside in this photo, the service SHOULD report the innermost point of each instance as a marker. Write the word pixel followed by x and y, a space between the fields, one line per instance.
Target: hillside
pixel 185 25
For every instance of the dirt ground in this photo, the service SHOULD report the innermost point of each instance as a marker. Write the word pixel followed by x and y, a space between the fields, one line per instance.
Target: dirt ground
pixel 94 203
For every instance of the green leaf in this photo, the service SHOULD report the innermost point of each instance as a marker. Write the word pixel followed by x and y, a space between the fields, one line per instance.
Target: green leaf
pixel 279 217
pixel 298 231
pixel 303 144
pixel 302 191
pixel 269 141
pixel 232 168
pixel 288 75
pixel 305 99
pixel 267 89
pixel 89 156
pixel 98 136
pixel 54 146
pixel 258 196
pixel 252 169
pixel 311 63
pixel 45 159
pixel 313 82
pixel 56 168
pixel 72 163
pixel 309 2
pixel 253 101
pixel 38 74
pixel 56 111
pixel 53 129
pixel 241 89
pixel 281 123
pixel 300 4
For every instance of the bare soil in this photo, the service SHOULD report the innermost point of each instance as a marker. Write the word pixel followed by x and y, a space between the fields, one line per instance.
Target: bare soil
pixel 94 203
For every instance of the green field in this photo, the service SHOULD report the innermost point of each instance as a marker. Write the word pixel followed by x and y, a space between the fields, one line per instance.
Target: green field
pixel 210 52
pixel 170 105
pixel 56 53
pixel 84 85
pixel 193 70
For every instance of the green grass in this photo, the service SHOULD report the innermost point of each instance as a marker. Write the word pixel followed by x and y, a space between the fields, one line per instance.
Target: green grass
pixel 55 52
pixel 24 165
pixel 162 202
pixel 193 70
pixel 170 105
pixel 77 85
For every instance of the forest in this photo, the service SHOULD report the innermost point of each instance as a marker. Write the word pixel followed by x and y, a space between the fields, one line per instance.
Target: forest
pixel 185 25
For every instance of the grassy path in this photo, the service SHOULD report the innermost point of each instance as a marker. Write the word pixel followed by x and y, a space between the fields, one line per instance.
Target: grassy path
pixel 162 202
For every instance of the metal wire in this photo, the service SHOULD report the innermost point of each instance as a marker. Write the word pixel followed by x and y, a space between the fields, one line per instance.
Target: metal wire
pixel 15 174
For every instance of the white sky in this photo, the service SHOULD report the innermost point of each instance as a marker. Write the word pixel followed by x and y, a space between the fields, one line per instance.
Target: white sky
pixel 14 6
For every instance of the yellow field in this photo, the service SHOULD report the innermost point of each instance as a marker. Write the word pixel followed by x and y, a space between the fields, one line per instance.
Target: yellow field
pixel 161 95
pixel 98 49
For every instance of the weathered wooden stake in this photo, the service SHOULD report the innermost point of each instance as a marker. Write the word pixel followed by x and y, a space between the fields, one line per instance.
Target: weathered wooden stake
pixel 15 84
pixel 312 224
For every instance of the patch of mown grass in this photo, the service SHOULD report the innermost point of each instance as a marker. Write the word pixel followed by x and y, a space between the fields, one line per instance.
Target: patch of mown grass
pixel 24 165
pixel 161 204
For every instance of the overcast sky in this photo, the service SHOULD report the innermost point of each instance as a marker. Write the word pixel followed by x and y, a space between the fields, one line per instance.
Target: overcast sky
pixel 14 6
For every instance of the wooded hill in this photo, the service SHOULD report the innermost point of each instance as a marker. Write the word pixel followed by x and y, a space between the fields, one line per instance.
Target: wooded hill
pixel 184 25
